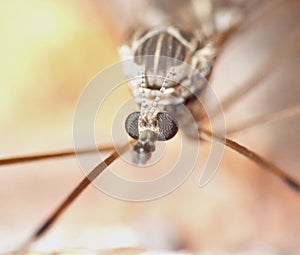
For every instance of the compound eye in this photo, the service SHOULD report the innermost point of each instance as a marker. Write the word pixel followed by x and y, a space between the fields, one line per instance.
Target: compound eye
pixel 131 125
pixel 167 126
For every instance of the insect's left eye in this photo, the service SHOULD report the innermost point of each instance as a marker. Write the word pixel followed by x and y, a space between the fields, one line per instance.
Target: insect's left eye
pixel 168 127
pixel 131 125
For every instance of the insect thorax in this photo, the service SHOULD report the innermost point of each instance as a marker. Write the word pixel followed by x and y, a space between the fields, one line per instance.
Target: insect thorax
pixel 180 58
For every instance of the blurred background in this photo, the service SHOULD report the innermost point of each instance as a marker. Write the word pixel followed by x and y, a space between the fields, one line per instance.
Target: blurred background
pixel 51 49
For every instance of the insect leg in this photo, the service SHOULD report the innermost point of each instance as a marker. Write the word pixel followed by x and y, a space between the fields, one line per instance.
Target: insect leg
pixel 59 154
pixel 260 161
pixel 263 119
pixel 46 225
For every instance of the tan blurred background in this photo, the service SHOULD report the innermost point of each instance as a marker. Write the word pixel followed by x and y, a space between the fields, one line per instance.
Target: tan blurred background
pixel 51 49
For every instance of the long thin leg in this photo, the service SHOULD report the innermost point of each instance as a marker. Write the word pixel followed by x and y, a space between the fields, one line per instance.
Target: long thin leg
pixel 283 52
pixel 263 119
pixel 263 163
pixel 46 225
pixel 60 154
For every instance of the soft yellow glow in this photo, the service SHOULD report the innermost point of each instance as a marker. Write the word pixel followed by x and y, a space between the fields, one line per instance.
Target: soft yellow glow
pixel 49 50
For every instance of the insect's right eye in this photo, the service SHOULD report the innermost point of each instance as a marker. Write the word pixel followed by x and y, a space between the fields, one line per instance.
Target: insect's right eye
pixel 168 126
pixel 131 125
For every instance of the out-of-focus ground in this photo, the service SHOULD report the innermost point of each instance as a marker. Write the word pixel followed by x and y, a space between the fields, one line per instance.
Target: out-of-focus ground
pixel 50 50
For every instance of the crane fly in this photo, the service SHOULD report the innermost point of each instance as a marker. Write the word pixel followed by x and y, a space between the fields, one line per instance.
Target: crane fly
pixel 158 89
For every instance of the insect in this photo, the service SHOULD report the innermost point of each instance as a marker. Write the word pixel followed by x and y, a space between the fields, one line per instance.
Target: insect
pixel 207 134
